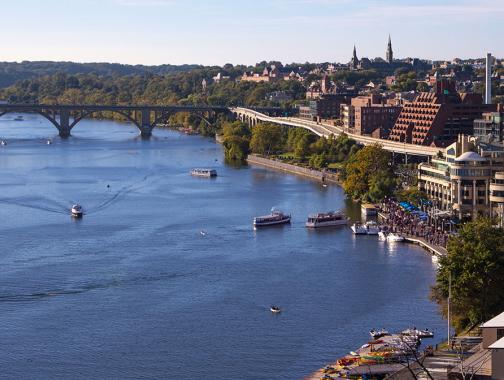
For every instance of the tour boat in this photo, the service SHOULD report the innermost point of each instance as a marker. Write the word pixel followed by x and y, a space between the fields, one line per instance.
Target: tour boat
pixel 275 309
pixel 372 228
pixel 276 217
pixel 208 173
pixel 326 219
pixel 394 237
pixel 76 211
pixel 375 334
pixel 358 229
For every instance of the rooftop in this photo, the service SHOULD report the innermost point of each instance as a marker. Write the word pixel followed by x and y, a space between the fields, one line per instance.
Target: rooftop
pixel 469 156
pixel 497 321
pixel 498 344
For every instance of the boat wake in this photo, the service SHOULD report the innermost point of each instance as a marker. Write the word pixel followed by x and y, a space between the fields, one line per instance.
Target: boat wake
pixel 37 204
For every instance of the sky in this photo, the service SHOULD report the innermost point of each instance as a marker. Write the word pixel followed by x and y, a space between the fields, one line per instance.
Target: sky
pixel 215 32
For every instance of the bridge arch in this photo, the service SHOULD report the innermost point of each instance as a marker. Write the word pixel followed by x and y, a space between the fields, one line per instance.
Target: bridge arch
pixel 41 113
pixel 85 114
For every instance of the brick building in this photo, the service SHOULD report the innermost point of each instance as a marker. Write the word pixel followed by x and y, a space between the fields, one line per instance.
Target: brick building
pixel 369 115
pixel 437 118
pixel 326 107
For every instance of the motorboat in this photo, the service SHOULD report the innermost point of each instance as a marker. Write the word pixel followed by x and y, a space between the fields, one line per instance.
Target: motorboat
pixel 375 334
pixel 3 142
pixel 418 334
pixel 326 219
pixel 76 211
pixel 275 309
pixel 358 229
pixel 382 236
pixel 394 237
pixel 372 228
pixel 276 217
pixel 19 118
pixel 48 142
pixel 207 173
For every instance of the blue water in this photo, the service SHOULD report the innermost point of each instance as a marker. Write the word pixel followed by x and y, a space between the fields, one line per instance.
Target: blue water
pixel 135 291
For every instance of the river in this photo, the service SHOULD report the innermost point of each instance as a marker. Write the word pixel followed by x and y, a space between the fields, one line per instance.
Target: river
pixel 135 291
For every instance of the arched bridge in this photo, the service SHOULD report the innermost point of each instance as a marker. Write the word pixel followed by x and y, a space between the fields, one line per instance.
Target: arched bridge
pixel 252 117
pixel 145 117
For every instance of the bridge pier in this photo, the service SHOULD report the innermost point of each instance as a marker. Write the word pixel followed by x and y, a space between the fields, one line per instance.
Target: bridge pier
pixel 64 124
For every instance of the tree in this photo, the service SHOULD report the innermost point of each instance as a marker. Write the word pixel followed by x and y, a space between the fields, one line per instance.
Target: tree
pixel 236 140
pixel 475 265
pixel 368 174
pixel 266 139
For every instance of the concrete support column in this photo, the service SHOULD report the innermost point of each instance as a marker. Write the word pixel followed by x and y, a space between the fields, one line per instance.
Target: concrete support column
pixel 487 192
pixel 64 123
pixel 145 126
pixel 475 193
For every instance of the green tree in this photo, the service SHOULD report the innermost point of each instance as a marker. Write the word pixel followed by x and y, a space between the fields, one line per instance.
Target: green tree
pixel 475 264
pixel 266 139
pixel 236 140
pixel 369 175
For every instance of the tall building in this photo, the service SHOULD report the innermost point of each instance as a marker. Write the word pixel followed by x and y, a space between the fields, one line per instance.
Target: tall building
pixel 437 118
pixel 389 56
pixel 490 127
pixel 369 115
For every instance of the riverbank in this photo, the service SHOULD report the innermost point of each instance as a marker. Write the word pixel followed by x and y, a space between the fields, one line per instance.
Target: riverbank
pixel 321 176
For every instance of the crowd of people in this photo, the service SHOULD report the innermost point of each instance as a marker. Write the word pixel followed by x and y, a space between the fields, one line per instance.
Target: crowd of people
pixel 407 223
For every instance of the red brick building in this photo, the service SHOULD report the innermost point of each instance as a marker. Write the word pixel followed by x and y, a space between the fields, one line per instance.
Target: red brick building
pixel 437 118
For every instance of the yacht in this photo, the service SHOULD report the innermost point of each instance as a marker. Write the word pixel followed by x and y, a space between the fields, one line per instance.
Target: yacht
pixel 276 217
pixel 207 173
pixel 372 228
pixel 358 229
pixel 326 219
pixel 394 237
pixel 76 211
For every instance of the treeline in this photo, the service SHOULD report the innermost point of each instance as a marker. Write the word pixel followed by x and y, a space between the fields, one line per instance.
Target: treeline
pixel 367 173
pixel 182 88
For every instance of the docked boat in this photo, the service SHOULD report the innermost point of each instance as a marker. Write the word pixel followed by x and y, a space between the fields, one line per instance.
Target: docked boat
pixel 76 211
pixel 326 219
pixel 372 228
pixel 358 229
pixel 375 334
pixel 382 236
pixel 276 217
pixel 275 309
pixel 394 237
pixel 419 334
pixel 207 173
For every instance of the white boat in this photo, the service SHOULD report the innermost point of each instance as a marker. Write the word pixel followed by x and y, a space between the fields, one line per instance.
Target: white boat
pixel 76 211
pixel 207 173
pixel 382 236
pixel 358 229
pixel 418 333
pixel 3 142
pixel 394 237
pixel 372 228
pixel 326 219
pixel 275 309
pixel 48 142
pixel 375 334
pixel 276 217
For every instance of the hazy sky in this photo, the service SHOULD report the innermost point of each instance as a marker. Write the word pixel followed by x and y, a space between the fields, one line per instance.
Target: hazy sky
pixel 247 31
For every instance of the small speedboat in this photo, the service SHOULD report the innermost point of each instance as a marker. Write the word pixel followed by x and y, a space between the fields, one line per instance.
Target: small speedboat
pixel 382 236
pixel 395 237
pixel 76 211
pixel 206 173
pixel 358 229
pixel 19 118
pixel 275 218
pixel 48 142
pixel 275 309
pixel 3 142
pixel 375 334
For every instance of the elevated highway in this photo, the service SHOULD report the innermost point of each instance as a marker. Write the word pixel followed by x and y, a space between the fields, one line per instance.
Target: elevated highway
pixel 325 129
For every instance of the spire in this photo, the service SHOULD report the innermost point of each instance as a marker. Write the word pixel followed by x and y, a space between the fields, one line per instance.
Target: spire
pixel 389 55
pixel 355 61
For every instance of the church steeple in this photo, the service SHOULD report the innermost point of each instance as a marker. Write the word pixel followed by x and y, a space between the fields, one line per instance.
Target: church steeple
pixel 354 63
pixel 389 56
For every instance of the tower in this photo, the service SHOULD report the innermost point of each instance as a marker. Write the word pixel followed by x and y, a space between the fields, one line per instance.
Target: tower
pixel 389 56
pixel 354 63
pixel 488 79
